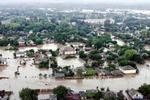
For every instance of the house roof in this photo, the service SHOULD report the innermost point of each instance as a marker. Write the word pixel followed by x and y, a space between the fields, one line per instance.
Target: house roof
pixel 20 52
pixel 67 48
pixel 133 92
pixel 127 68
pixel 110 94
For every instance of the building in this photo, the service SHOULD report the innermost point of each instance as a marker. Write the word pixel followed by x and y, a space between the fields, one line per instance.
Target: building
pixel 31 43
pixel 110 94
pixel 21 42
pixel 99 21
pixel 3 61
pixel 53 97
pixel 39 57
pixel 47 97
pixel 20 54
pixel 134 94
pixel 128 69
pixel 67 50
pixel 59 75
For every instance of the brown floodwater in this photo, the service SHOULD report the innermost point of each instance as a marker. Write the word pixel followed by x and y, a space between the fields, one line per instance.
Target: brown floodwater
pixel 29 76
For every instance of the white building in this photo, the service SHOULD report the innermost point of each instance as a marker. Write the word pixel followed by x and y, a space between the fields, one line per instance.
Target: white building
pixel 20 54
pixel 127 69
pixel 99 21
pixel 3 61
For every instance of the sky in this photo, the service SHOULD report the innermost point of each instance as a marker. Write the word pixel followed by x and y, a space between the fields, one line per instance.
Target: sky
pixel 77 1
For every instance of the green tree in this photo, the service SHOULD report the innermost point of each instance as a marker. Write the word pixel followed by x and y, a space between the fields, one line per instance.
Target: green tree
pixel 28 94
pixel 30 53
pixel 145 90
pixel 60 92
pixel 95 55
pixel 44 64
pixel 130 53
pixel 82 55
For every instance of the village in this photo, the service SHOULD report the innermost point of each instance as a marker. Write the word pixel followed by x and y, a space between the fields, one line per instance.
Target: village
pixel 89 54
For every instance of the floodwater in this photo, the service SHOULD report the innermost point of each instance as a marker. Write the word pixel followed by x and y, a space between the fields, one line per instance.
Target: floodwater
pixel 29 77
pixel 73 62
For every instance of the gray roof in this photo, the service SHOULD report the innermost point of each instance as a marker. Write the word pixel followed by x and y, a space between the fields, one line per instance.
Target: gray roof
pixel 133 92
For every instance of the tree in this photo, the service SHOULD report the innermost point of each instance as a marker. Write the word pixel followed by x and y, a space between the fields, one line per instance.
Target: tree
pixel 28 94
pixel 30 53
pixel 44 64
pixel 60 92
pixel 82 55
pixel 94 55
pixel 145 90
pixel 111 67
pixel 130 53
pixel 38 41
pixel 137 58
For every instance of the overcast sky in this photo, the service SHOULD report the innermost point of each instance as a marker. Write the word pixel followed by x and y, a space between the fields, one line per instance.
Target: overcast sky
pixel 76 1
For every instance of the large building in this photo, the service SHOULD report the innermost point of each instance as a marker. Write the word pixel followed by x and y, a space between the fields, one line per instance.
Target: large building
pixel 99 21
pixel 67 50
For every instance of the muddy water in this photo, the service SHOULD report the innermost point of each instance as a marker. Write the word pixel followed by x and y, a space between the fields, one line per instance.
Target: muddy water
pixel 73 62
pixel 29 77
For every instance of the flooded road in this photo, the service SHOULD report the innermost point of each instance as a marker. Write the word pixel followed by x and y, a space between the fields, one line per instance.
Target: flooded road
pixel 29 77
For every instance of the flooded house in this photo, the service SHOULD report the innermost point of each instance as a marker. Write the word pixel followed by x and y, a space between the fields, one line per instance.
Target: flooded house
pixel 3 61
pixel 39 57
pixel 76 45
pixel 4 95
pixel 21 42
pixel 127 69
pixel 31 43
pixel 67 50
pixel 59 74
pixel 20 54
pixel 109 94
pixel 135 95
pixel 53 97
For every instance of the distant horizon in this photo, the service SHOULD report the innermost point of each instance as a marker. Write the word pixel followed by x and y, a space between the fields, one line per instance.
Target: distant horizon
pixel 77 1
pixel 76 5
